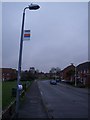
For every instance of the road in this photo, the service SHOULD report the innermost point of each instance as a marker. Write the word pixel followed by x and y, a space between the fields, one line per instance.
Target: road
pixel 64 101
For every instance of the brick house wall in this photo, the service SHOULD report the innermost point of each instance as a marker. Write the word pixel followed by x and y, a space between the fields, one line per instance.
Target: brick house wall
pixel 66 71
pixel 83 72
pixel 8 74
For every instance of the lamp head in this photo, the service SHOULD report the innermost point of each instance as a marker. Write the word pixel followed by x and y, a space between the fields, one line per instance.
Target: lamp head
pixel 34 7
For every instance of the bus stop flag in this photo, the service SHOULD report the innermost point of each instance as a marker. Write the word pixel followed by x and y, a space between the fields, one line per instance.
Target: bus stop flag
pixel 26 35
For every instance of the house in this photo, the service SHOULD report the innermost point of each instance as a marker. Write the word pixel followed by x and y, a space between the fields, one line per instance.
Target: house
pixel 8 74
pixel 68 73
pixel 83 72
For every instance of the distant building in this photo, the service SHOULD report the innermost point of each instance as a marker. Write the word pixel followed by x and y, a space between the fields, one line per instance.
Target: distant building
pixel 68 73
pixel 8 74
pixel 41 75
pixel 83 72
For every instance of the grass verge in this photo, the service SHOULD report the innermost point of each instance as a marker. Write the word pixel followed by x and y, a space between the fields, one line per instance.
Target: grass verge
pixel 7 92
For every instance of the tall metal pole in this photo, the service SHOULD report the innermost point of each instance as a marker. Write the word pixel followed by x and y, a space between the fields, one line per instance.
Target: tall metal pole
pixel 75 77
pixel 19 64
pixel 30 7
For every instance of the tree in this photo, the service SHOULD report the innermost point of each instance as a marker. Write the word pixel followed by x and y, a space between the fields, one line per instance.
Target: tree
pixel 55 72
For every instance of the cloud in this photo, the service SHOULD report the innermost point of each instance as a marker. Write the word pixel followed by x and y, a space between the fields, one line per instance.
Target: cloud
pixel 59 35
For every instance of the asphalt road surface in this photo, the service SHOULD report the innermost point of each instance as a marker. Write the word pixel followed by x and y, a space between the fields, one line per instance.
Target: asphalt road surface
pixel 64 101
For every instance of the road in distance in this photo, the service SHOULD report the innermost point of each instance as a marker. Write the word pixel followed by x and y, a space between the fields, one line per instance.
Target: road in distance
pixel 64 101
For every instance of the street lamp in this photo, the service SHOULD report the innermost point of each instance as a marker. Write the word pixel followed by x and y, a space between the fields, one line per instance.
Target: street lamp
pixel 75 77
pixel 30 7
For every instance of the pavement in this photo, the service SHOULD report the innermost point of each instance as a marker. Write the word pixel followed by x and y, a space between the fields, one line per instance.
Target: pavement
pixel 32 106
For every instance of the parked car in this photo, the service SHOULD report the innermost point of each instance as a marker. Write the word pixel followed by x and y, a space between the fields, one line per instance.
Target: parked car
pixel 63 80
pixel 53 82
pixel 57 80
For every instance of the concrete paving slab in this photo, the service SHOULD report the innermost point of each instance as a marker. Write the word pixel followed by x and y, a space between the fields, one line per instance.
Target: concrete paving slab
pixel 33 106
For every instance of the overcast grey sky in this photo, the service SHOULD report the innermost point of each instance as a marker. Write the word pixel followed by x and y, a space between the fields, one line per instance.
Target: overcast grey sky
pixel 59 34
